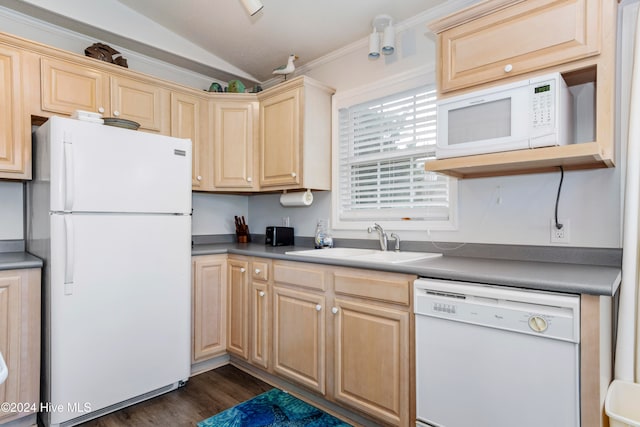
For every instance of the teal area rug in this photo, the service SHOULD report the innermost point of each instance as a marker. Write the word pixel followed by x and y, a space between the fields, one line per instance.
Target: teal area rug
pixel 273 408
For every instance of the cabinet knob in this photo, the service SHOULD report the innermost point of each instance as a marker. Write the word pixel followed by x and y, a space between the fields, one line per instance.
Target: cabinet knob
pixel 249 179
pixel 261 293
pixel 318 307
pixel 334 310
pixel 258 271
pixel 101 110
pixel 242 270
pixel 508 68
pixel 293 174
pixel 199 178
pixel 116 113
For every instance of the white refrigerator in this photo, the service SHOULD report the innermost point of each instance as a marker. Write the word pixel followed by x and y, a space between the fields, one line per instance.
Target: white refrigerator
pixel 109 211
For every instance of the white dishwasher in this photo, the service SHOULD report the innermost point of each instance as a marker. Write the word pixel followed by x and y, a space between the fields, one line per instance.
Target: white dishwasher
pixel 491 356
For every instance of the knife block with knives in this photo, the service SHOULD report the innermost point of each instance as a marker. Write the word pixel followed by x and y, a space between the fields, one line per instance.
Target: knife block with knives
pixel 242 230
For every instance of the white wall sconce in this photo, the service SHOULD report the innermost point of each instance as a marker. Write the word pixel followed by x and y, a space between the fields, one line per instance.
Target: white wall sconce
pixel 252 6
pixel 382 24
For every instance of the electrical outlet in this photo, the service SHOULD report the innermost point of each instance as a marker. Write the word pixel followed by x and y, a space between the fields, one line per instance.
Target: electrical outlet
pixel 560 235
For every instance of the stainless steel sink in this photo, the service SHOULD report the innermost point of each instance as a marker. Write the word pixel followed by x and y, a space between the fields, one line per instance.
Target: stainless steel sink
pixel 365 255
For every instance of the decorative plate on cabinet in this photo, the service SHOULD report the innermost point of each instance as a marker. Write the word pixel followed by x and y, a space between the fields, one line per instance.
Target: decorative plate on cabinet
pixel 121 123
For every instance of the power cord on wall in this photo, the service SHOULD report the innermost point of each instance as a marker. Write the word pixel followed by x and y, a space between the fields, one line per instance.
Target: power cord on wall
pixel 558 225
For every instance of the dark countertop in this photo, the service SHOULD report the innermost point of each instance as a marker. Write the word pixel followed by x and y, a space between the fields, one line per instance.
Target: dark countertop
pixel 545 276
pixel 18 260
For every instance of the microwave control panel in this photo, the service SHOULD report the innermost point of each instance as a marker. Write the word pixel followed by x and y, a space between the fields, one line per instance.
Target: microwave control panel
pixel 542 105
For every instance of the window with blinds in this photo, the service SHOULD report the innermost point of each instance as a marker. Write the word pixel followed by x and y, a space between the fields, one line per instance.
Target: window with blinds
pixel 383 146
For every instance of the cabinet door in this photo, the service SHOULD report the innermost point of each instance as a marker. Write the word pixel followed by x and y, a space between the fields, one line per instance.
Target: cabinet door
pixel 67 87
pixel 525 37
pixel 371 365
pixel 260 308
pixel 209 301
pixel 299 337
pixel 237 304
pixel 142 102
pixel 280 139
pixel 189 120
pixel 15 147
pixel 20 338
pixel 234 145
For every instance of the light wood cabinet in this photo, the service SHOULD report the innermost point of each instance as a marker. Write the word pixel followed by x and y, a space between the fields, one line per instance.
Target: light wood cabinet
pixel 237 306
pixel 299 336
pixel 20 339
pixel 190 119
pixel 295 135
pixel 235 143
pixel 362 356
pixel 372 343
pixel 500 41
pixel 260 316
pixel 143 102
pixel 209 302
pixel 260 334
pixel 67 86
pixel 15 135
pixel 516 40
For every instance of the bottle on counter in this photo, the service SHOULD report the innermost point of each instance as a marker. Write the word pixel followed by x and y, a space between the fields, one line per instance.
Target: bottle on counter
pixel 323 237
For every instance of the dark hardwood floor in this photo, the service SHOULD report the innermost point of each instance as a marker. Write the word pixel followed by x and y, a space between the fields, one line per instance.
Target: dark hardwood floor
pixel 204 395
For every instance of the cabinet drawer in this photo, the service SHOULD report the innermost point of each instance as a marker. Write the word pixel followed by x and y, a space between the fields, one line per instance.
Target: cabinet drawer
pixel 260 270
pixel 300 274
pixel 524 37
pixel 386 287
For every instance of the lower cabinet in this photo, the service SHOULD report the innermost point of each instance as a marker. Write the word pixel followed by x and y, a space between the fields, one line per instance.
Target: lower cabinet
pixel 209 306
pixel 371 359
pixel 342 333
pixel 299 337
pixel 260 315
pixel 237 305
pixel 20 340
pixel 345 333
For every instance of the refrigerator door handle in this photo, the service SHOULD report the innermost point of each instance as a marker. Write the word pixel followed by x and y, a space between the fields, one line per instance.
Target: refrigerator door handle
pixel 69 255
pixel 68 173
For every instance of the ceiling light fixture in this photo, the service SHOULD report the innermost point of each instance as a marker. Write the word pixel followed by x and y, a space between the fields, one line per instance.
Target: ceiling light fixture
pixel 252 6
pixel 374 44
pixel 382 24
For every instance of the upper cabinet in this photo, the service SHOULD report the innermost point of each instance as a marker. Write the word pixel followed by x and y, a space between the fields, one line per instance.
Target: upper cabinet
pixel 190 119
pixel 67 86
pixel 235 142
pixel 516 40
pixel 15 135
pixel 295 135
pixel 144 102
pixel 279 139
pixel 498 41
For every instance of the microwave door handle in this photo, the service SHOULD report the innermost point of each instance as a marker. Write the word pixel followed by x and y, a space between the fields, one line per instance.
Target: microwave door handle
pixel 477 101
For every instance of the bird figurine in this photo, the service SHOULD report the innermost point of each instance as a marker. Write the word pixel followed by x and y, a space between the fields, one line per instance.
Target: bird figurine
pixel 286 69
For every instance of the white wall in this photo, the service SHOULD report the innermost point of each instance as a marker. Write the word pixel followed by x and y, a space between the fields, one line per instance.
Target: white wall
pixel 11 227
pixel 213 213
pixel 589 199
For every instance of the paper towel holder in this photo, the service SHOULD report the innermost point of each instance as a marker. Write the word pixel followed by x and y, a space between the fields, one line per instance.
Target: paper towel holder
pixel 296 199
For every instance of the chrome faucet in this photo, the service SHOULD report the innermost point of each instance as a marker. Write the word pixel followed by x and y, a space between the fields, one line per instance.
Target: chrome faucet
pixel 381 235
pixel 397 238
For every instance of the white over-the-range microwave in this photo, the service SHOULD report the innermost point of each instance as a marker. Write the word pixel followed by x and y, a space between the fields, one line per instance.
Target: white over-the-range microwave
pixel 531 113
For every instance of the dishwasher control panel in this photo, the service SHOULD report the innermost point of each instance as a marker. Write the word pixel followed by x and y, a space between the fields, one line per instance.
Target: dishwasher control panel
pixel 532 312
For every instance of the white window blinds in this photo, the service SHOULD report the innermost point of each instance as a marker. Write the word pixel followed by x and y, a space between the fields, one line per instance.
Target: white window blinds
pixel 383 146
